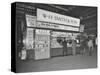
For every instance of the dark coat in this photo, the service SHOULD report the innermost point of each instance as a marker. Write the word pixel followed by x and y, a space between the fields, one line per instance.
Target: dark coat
pixel 64 43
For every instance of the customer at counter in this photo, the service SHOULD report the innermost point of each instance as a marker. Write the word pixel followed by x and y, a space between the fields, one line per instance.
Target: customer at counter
pixel 74 47
pixel 64 43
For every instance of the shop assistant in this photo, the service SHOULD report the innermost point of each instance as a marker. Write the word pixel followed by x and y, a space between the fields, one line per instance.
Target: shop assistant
pixel 64 43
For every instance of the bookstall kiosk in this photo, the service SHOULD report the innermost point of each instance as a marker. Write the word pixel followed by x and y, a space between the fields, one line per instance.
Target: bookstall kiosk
pixel 44 30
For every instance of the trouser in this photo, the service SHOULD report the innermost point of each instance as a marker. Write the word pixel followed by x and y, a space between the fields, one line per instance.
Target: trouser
pixel 90 50
pixel 74 51
pixel 64 51
pixel 83 50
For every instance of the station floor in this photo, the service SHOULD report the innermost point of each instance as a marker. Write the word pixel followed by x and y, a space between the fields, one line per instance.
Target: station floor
pixel 58 63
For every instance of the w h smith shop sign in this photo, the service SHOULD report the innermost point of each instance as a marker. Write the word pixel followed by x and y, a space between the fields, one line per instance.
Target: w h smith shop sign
pixel 47 16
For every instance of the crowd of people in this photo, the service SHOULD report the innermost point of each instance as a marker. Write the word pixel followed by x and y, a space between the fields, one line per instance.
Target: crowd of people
pixel 87 45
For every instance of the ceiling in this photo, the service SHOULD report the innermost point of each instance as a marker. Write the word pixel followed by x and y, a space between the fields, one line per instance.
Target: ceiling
pixel 87 15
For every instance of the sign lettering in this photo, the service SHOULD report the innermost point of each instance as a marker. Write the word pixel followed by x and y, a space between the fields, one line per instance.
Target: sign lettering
pixel 47 16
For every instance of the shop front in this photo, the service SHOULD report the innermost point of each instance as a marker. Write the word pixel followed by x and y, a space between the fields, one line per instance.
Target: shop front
pixel 45 32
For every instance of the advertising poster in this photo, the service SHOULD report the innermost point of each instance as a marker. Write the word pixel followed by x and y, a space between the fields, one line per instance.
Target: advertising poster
pixel 31 20
pixel 82 28
pixel 30 38
pixel 42 44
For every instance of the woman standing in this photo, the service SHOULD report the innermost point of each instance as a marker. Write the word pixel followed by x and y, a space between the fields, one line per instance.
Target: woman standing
pixel 90 46
pixel 74 47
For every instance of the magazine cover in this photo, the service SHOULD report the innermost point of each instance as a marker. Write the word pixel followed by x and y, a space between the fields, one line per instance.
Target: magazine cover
pixel 52 37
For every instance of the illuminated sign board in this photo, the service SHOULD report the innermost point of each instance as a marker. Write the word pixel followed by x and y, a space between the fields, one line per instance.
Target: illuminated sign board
pixel 47 16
